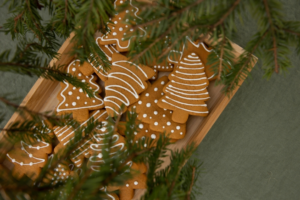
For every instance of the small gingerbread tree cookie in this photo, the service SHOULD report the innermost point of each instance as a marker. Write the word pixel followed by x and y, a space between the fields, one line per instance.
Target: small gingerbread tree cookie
pixel 119 29
pixel 73 100
pixel 159 119
pixel 88 68
pixel 126 80
pixel 29 158
pixel 66 134
pixel 186 92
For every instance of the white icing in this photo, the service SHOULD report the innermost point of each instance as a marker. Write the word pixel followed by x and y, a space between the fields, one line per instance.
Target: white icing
pixel 132 75
pixel 148 105
pixel 191 111
pixel 155 123
pixel 195 60
pixel 144 115
pixel 177 127
pixel 169 123
pixel 190 74
pixel 141 126
pixel 153 136
pixel 189 79
pixel 188 104
pixel 155 112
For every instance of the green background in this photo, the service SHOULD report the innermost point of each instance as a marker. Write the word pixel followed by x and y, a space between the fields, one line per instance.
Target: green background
pixel 253 149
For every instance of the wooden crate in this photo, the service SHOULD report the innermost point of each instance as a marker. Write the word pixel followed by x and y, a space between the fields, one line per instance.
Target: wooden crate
pixel 42 97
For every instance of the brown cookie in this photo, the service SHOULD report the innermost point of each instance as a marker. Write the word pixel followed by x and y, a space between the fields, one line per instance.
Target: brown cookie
pixel 159 119
pixel 126 80
pixel 59 174
pixel 74 100
pixel 88 68
pixel 143 133
pixel 28 159
pixel 121 29
pixel 66 134
pixel 186 92
pixel 201 50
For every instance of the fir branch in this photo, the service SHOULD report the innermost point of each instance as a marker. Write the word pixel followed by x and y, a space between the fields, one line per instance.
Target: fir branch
pixel 273 34
pixel 188 195
pixel 221 56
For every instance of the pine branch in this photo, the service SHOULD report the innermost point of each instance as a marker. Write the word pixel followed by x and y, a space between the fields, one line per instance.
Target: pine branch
pixel 188 196
pixel 221 57
pixel 273 34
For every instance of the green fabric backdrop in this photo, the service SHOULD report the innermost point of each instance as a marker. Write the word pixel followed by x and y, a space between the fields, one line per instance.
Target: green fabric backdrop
pixel 252 151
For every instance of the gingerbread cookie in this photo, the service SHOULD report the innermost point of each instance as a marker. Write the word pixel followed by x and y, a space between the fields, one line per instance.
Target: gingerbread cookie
pixel 88 68
pixel 120 29
pixel 186 92
pixel 143 132
pixel 126 80
pixel 66 134
pixel 109 195
pixel 159 119
pixel 59 174
pixel 202 51
pixel 29 158
pixel 73 100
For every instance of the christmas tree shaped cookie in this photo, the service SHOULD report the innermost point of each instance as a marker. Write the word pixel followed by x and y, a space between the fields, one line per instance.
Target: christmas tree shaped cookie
pixel 126 80
pixel 143 133
pixel 159 119
pixel 186 92
pixel 29 158
pixel 120 28
pixel 60 173
pixel 88 68
pixel 201 50
pixel 74 100
pixel 66 134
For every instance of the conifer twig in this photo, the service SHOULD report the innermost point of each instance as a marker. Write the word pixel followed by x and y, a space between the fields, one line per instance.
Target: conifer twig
pixel 273 35
pixel 221 57
pixel 188 196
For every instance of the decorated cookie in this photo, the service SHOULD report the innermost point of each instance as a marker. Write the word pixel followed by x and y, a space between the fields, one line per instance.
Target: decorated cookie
pixel 143 132
pixel 159 119
pixel 139 181
pixel 66 134
pixel 59 174
pixel 29 158
pixel 126 80
pixel 109 195
pixel 186 92
pixel 88 68
pixel 120 28
pixel 74 100
pixel 201 50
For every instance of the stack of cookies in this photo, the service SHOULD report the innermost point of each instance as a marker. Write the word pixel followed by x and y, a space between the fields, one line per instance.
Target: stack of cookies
pixel 163 103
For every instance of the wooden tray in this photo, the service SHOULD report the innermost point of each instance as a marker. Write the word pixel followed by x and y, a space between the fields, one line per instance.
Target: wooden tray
pixel 42 97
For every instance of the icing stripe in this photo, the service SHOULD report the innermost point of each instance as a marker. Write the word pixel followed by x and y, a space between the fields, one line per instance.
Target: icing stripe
pixel 180 67
pixel 181 62
pixel 190 74
pixel 189 79
pixel 188 104
pixel 171 86
pixel 193 85
pixel 193 94
pixel 195 60
pixel 191 111
pixel 185 98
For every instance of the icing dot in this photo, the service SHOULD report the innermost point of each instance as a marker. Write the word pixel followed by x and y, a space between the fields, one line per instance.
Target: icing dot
pixel 99 155
pixel 155 123
pixel 126 26
pixel 155 112
pixel 121 29
pixel 135 133
pixel 115 22
pixel 146 131
pixel 127 20
pixel 78 97
pixel 172 131
pixel 79 74
pixel 158 66
pixel 180 133
pixel 131 29
pixel 144 115
pixel 150 117
pixel 163 67
pixel 155 89
pixel 127 185
pixel 83 81
pixel 80 90
pixel 162 93
pixel 127 11
pixel 94 101
pixel 70 93
pixel 119 18
pixel 141 126
pixel 164 115
pixel 13 160
pixel 171 112
pixel 30 155
pixel 135 183
pixel 74 88
pixel 74 69
pixel 145 145
pixel 155 70
pixel 148 105
pixel 140 102
pixel 168 123
pixel 154 66
pixel 177 127
pixel 147 94
pixel 162 82
pixel 74 104
pixel 114 33
pixel 87 95
pixel 155 101
pixel 66 105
